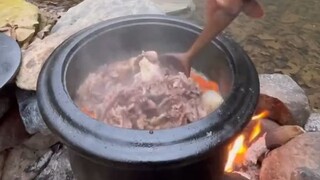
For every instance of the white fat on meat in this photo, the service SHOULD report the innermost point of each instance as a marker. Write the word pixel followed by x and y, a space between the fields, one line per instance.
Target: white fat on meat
pixel 149 71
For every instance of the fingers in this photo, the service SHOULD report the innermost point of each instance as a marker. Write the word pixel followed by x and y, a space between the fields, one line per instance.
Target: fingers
pixel 253 9
pixel 231 6
pixel 250 7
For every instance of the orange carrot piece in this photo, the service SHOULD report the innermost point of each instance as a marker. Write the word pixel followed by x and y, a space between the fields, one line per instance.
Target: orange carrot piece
pixel 204 84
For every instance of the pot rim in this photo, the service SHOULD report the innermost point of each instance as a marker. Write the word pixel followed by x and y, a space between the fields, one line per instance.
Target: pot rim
pixel 104 142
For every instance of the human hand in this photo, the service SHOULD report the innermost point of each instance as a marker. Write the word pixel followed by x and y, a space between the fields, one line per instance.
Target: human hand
pixel 233 7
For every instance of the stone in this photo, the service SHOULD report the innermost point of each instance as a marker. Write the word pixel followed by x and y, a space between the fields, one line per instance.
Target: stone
pixel 12 131
pixel 29 112
pixel 284 99
pixel 302 151
pixel 174 6
pixel 268 125
pixel 54 7
pixel 41 141
pixel 304 173
pixel 35 168
pixel 20 18
pixel 58 168
pixel 75 19
pixel 19 163
pixel 313 123
pixel 282 135
pixel 255 151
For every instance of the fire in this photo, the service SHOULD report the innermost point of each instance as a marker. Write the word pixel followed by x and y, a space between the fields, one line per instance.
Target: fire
pixel 236 149
pixel 262 115
pixel 256 131
pixel 239 147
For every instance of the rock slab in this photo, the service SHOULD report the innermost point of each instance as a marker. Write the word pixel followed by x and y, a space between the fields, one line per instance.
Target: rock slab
pixel 313 123
pixel 29 112
pixel 304 173
pixel 284 99
pixel 174 6
pixel 58 168
pixel 302 151
pixel 23 163
pixel 75 19
pixel 41 141
pixel 19 163
pixel 18 19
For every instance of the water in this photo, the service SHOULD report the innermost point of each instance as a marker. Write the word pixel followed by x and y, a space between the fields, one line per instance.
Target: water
pixel 286 40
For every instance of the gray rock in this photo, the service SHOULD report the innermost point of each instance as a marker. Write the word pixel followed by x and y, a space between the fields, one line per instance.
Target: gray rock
pixel 90 12
pixel 302 151
pixel 174 6
pixel 19 162
pixel 282 135
pixel 76 18
pixel 313 123
pixel 29 112
pixel 41 141
pixel 255 151
pixel 304 173
pixel 34 169
pixel 284 98
pixel 58 168
pixel 267 125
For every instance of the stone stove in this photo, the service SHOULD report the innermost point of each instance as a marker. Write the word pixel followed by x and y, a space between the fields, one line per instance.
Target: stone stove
pixel 286 145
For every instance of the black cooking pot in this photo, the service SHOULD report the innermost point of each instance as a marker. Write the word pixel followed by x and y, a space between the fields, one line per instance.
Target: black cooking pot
pixel 99 151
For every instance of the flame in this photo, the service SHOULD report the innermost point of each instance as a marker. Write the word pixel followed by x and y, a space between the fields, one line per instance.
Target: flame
pixel 238 148
pixel 256 131
pixel 262 115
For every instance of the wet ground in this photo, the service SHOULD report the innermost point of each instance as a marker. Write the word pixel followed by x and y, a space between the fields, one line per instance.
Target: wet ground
pixel 286 40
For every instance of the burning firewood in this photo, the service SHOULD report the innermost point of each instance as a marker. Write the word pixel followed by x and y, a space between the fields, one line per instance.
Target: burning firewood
pixel 256 151
pixel 239 154
pixel 282 135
